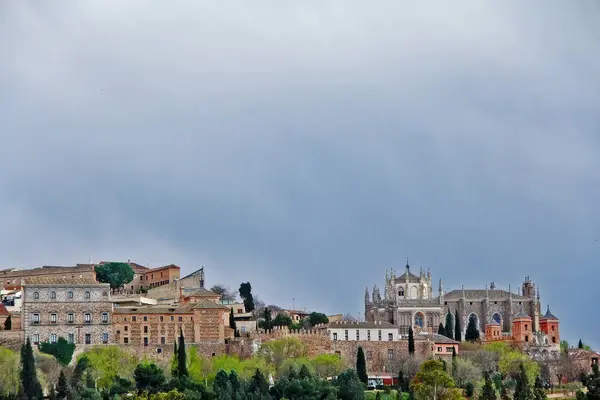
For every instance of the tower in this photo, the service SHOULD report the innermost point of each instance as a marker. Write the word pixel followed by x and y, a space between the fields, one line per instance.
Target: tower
pixel 521 327
pixel 549 324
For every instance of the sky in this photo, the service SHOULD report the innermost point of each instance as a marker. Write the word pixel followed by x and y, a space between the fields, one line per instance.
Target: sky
pixel 306 147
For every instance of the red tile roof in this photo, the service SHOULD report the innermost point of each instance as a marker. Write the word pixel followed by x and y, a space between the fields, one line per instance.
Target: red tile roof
pixel 3 310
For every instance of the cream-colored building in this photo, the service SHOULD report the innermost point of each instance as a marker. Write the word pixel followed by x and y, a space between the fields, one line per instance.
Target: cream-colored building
pixel 357 331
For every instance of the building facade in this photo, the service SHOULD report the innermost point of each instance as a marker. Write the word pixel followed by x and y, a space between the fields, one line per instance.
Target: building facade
pixel 76 309
pixel 12 279
pixel 367 331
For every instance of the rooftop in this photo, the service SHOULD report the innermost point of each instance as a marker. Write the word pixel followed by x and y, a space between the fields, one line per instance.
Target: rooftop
pixel 207 304
pixel 196 272
pixel 549 315
pixel 201 292
pixel 3 310
pixel 492 294
pixel 58 280
pixel 437 338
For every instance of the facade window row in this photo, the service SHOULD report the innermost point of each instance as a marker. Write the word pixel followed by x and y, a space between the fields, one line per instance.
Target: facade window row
pixel 52 295
pixel 87 339
pixel 390 336
pixel 70 318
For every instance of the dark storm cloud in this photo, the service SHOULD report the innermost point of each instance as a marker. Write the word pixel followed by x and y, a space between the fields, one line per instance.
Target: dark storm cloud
pixel 307 147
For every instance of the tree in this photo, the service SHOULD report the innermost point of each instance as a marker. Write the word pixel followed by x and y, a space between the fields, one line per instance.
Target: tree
pixel 449 328
pixel 148 377
pixel 593 383
pixel 282 320
pixel 29 381
pixel 52 393
pixel 411 341
pixel 232 321
pixel 457 328
pixel 266 322
pixel 258 383
pixel 469 390
pixel 316 318
pixel 441 329
pixel 83 363
pixel 235 383
pixel 349 386
pixel 61 350
pixel 564 345
pixel 10 381
pixel 361 366
pixel 181 362
pixel 580 344
pixel 90 383
pixel 328 365
pixel 175 361
pixel 487 391
pixel 222 386
pixel 523 389
pixel 223 291
pixel 277 351
pixel 431 382
pixel 472 334
pixel 108 362
pixel 114 273
pixel 62 389
pixel 304 372
pixel 538 389
pixel 8 323
pixel 464 371
pixel 246 295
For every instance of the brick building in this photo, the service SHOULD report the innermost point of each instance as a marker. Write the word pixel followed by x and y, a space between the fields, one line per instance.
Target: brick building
pixel 12 279
pixel 77 309
pixel 161 276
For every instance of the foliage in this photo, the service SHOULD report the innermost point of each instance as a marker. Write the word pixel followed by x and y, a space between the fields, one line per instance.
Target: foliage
pixel 223 291
pixel 30 385
pixel 115 274
pixel 580 344
pixel 564 345
pixel 61 350
pixel 457 328
pixel 472 334
pixel 431 382
pixel 328 365
pixel 266 321
pixel 487 391
pixel 486 360
pixel 258 383
pixel 511 361
pixel 411 341
pixel 441 329
pixel 538 389
pixel 9 377
pixel 148 377
pixel 108 362
pixel 83 363
pixel 593 383
pixel 222 386
pixel 199 368
pixel 523 390
pixel 174 360
pixel 361 366
pixel 469 390
pixel 8 323
pixel 277 351
pixel 449 327
pixel 296 364
pixel 246 295
pixel 464 371
pixel 316 318
pixel 232 322
pixel 181 361
pixel 282 320
pixel 349 386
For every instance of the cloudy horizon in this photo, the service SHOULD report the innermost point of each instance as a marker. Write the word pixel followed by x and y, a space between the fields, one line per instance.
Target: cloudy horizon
pixel 308 147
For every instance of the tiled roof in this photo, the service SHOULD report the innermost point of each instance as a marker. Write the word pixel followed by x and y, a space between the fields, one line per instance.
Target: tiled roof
pixel 361 325
pixel 3 310
pixel 549 315
pixel 47 269
pixel 436 338
pixel 154 310
pixel 207 304
pixel 57 280
pixel 201 292
pixel 163 267
pixel 493 294
pixel 522 314
pixel 196 272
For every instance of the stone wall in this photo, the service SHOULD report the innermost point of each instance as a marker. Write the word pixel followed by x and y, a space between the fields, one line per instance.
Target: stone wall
pixel 11 337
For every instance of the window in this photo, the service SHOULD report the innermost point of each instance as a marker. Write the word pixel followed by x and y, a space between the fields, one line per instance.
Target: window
pixel 36 338
pixel 145 329
pixel 379 335
pixel 338 353
pixel 87 318
pixel 134 318
pixel 390 337
pixel 36 295
pixel 105 338
pixel 390 354
pixel 553 339
pixel 105 318
pixel 439 349
pixel 125 328
pixel 36 318
pixel 470 303
pixel 53 338
pixel 553 328
pixel 87 295
pixel 145 341
pixel 369 354
pixel 71 338
pixel 346 334
pixel 53 318
pixel 70 318
pixel 449 349
pixel 401 292
pixel 526 338
pixel 70 295
pixel 163 340
pixel 125 340
pixel 161 318
pixel 243 329
pixel 334 335
pixel 357 334
pixel 172 318
pixel 159 350
pixel 53 295
pixel 88 338
pixel 239 310
pixel 369 334
pixel 526 326
pixel 145 318
pixel 179 319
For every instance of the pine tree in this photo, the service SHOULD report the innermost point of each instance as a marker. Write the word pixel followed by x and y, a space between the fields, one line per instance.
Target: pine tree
pixel 292 375
pixel 29 381
pixel 8 323
pixel 304 372
pixel 258 383
pixel 457 328
pixel 580 344
pixel 469 390
pixel 487 391
pixel 411 341
pixel 472 334
pixel 181 357
pixel 361 366
pixel 538 389
pixel 449 329
pixel 175 361
pixel 523 389
pixel 441 329
pixel 62 389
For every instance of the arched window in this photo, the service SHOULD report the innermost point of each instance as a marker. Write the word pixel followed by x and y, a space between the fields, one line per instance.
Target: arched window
pixel 87 295
pixel 70 295
pixel 53 295
pixel 497 318
pixel 401 292
pixel 36 295
pixel 419 319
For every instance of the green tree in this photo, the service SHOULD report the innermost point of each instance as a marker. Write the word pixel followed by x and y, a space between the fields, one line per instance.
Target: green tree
pixel 350 386
pixel 538 389
pixel 449 328
pixel 83 363
pixel 8 323
pixel 361 366
pixel 464 371
pixel 564 345
pixel 246 295
pixel 277 351
pixel 175 361
pixel 441 329
pixel 523 389
pixel 222 386
pixel 328 365
pixel 223 291
pixel 61 350
pixel 304 372
pixel 258 383
pixel 108 362
pixel 62 389
pixel 316 318
pixel 10 380
pixel 472 334
pixel 457 328
pixel 232 322
pixel 181 362
pixel 148 377
pixel 235 383
pixel 593 383
pixel 266 322
pixel 431 382
pixel 411 341
pixel 282 320
pixel 487 391
pixel 114 273
pixel 469 390
pixel 29 380
pixel 90 383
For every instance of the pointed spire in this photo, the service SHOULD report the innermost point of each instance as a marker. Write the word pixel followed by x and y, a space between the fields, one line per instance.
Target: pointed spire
pixel 367 296
pixel 441 288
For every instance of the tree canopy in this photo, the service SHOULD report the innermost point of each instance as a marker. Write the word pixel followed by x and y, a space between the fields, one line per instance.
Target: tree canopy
pixel 472 333
pixel 282 320
pixel 432 382
pixel 316 318
pixel 61 350
pixel 246 295
pixel 361 366
pixel 114 273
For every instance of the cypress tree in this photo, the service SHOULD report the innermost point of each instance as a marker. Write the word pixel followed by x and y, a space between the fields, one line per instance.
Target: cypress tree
pixel 181 357
pixel 449 331
pixel 469 390
pixel 62 389
pixel 232 321
pixel 411 341
pixel 441 330
pixel 8 323
pixel 29 381
pixel 457 328
pixel 361 366
pixel 472 334
pixel 487 391
pixel 304 372
pixel 523 389
pixel 400 380
pixel 580 344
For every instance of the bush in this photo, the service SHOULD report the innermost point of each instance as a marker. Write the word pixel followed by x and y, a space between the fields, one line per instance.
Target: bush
pixel 61 350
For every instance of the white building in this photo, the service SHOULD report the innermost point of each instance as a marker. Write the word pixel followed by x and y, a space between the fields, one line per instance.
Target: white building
pixel 365 331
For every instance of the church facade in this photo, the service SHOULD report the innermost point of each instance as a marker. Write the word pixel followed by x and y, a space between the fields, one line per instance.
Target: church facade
pixel 408 301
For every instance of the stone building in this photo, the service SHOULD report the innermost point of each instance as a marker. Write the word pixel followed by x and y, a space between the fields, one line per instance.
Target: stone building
pixel 77 309
pixel 171 291
pixel 12 279
pixel 369 331
pixel 408 301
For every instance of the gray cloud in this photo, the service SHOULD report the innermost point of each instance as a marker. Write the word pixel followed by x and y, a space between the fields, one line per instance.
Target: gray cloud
pixel 307 147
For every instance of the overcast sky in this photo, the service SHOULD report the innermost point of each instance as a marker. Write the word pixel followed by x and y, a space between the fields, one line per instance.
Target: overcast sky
pixel 308 146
